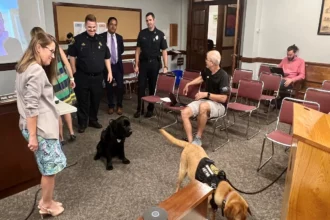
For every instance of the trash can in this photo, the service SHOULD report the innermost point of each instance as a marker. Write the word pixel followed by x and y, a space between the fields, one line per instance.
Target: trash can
pixel 178 74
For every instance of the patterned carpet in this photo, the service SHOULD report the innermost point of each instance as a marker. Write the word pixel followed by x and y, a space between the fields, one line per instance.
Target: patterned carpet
pixel 88 191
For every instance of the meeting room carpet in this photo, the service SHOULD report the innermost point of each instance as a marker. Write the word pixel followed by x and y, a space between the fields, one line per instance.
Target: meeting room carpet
pixel 88 191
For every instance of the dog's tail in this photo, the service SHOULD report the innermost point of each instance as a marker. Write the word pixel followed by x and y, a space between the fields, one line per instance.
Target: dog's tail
pixel 172 139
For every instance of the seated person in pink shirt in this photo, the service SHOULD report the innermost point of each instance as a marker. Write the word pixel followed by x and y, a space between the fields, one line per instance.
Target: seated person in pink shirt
pixel 293 68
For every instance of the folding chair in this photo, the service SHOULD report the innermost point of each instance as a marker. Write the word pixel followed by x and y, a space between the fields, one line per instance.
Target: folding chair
pixel 240 74
pixel 286 117
pixel 264 68
pixel 129 76
pixel 251 90
pixel 320 96
pixel 191 74
pixel 175 110
pixel 165 84
pixel 326 85
pixel 272 83
pixel 215 126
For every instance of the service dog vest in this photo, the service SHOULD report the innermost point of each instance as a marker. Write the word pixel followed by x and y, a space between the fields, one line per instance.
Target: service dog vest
pixel 207 173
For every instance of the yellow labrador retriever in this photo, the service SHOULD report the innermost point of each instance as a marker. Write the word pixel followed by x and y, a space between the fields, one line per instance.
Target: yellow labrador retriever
pixel 232 204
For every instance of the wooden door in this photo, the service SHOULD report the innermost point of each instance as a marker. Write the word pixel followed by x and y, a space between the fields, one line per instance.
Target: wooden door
pixel 197 36
pixel 238 33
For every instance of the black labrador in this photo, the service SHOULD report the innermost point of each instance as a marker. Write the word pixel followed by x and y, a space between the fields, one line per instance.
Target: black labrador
pixel 112 141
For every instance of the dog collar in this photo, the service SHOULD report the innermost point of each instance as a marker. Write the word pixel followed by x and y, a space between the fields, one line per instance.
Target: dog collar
pixel 223 204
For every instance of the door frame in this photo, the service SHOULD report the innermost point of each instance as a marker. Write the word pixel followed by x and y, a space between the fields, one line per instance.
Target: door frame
pixel 239 27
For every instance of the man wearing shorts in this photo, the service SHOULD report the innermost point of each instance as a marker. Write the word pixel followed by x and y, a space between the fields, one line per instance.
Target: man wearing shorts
pixel 210 103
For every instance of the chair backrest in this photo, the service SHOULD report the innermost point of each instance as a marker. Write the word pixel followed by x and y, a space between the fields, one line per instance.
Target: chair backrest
pixel 326 85
pixel 240 74
pixel 251 89
pixel 165 83
pixel 264 68
pixel 191 74
pixel 286 112
pixel 271 81
pixel 128 67
pixel 320 96
pixel 192 90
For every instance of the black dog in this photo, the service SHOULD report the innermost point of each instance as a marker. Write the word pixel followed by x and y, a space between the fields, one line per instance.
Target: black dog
pixel 112 141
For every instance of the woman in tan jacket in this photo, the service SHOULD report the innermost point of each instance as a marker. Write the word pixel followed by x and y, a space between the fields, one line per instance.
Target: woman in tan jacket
pixel 39 117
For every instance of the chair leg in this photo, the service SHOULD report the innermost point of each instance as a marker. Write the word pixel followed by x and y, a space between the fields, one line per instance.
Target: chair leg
pixel 130 90
pixel 261 155
pixel 227 141
pixel 173 123
pixel 248 125
pixel 142 104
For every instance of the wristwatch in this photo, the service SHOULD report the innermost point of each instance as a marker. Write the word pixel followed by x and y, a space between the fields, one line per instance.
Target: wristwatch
pixel 208 95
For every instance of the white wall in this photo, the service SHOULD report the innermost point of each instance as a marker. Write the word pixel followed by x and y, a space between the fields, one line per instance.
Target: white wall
pixel 272 26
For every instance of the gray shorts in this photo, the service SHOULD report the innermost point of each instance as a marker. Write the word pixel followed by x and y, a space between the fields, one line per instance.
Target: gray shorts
pixel 217 109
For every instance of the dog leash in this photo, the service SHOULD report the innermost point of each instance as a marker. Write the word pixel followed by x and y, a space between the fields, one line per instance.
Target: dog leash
pixel 261 190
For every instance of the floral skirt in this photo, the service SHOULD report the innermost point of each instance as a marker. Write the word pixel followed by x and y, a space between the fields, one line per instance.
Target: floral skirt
pixel 50 157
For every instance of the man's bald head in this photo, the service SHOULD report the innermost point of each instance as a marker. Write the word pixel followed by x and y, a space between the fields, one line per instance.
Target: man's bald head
pixel 214 56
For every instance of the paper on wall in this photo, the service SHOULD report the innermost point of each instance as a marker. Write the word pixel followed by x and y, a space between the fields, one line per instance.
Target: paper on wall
pixel 78 27
pixel 101 27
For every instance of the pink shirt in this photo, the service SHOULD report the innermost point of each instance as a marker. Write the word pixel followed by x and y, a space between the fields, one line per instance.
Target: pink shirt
pixel 294 70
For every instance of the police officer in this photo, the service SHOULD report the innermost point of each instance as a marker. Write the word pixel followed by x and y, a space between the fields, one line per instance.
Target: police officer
pixel 89 55
pixel 147 60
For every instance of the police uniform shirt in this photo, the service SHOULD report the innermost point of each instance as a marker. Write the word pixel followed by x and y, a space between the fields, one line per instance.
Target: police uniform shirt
pixel 151 42
pixel 90 52
pixel 217 83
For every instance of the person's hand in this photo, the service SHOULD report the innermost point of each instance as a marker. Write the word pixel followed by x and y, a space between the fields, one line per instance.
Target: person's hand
pixel 288 82
pixel 200 95
pixel 109 77
pixel 33 143
pixel 185 89
pixel 165 70
pixel 72 84
pixel 136 69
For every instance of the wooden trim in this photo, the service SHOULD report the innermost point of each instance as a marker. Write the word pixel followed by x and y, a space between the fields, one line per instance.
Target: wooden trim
pixel 55 4
pixel 7 66
pixel 276 61
pixel 129 48
pixel 228 48
pixel 128 56
pixel 216 2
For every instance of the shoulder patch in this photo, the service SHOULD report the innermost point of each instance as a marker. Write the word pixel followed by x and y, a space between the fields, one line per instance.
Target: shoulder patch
pixel 225 89
pixel 164 37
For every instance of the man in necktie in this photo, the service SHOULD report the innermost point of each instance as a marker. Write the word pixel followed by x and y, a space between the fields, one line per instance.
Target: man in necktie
pixel 116 46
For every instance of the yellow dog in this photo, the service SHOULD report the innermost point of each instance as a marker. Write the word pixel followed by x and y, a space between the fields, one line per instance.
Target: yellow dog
pixel 233 205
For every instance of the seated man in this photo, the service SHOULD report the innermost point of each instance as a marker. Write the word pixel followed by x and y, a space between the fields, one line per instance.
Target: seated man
pixel 210 103
pixel 293 68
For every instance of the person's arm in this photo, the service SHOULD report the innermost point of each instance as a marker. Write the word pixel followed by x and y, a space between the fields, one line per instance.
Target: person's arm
pixel 196 81
pixel 122 46
pixel 72 51
pixel 107 63
pixel 164 53
pixel 137 57
pixel 301 72
pixel 31 96
pixel 68 67
pixel 281 63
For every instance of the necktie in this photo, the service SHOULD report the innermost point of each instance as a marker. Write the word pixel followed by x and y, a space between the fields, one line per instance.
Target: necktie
pixel 113 50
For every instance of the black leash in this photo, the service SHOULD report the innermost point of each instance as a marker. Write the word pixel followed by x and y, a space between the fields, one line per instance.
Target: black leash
pixel 36 195
pixel 261 190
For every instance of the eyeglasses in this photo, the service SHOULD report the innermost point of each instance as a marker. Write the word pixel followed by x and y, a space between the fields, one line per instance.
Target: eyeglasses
pixel 51 50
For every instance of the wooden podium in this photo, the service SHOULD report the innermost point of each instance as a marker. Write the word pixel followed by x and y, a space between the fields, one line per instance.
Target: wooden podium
pixel 307 187
pixel 191 202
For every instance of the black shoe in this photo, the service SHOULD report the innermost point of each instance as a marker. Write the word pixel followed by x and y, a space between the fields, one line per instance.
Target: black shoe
pixel 148 114
pixel 137 114
pixel 81 129
pixel 72 138
pixel 95 124
pixel 63 143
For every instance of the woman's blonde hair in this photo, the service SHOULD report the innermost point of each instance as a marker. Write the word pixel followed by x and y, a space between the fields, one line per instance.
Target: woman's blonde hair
pixel 36 30
pixel 31 55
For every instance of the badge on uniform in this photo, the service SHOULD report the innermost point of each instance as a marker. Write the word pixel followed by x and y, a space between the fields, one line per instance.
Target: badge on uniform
pixel 164 37
pixel 100 44
pixel 156 37
pixel 83 44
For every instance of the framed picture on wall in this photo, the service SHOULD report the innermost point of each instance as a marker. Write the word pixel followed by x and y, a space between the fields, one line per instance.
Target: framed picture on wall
pixel 324 25
pixel 230 21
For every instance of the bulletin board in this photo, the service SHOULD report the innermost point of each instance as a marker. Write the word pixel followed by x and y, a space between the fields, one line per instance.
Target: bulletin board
pixel 65 14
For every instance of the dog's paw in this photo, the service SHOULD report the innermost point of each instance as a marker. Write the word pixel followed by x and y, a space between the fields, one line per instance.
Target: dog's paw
pixel 126 161
pixel 109 167
pixel 97 157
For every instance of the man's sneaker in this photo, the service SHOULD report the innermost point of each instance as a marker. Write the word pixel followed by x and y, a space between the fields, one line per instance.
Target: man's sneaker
pixel 197 141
